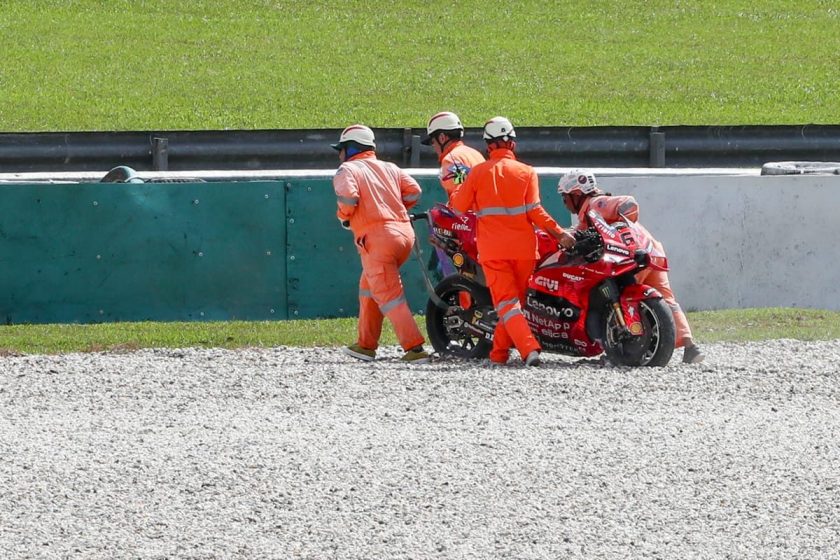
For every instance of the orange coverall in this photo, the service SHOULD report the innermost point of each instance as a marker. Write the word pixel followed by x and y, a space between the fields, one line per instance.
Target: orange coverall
pixel 506 196
pixel 374 196
pixel 611 208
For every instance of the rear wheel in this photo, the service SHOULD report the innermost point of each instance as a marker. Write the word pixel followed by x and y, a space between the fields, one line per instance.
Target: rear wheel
pixel 447 330
pixel 652 348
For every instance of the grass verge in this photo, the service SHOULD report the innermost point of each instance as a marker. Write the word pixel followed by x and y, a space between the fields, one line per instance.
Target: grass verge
pixel 736 325
pixel 245 64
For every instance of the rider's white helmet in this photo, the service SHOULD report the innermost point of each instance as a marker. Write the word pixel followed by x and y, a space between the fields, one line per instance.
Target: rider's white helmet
pixel 357 133
pixel 499 128
pixel 578 181
pixel 442 122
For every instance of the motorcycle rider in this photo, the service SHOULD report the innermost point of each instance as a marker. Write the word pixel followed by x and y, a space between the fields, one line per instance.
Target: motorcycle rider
pixel 506 197
pixel 373 201
pixel 581 193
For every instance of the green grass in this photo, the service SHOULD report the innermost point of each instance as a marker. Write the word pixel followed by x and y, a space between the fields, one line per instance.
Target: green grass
pixel 735 325
pixel 72 65
pixel 740 325
pixel 144 65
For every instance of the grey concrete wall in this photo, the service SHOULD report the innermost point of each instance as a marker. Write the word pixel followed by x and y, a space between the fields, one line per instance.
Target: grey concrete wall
pixel 744 241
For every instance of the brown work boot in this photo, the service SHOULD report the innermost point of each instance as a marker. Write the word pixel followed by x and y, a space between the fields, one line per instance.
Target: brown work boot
pixel 417 356
pixel 356 351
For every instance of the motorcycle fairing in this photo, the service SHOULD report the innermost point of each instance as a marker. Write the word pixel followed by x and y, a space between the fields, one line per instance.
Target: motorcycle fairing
pixel 629 301
pixel 447 225
pixel 554 308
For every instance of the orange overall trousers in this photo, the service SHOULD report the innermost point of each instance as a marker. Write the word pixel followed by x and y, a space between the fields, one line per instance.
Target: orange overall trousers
pixel 383 250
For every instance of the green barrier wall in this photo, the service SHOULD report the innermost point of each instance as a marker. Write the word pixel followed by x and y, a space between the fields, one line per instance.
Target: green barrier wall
pixel 93 252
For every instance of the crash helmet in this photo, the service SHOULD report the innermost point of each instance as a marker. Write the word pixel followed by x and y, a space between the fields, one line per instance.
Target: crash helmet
pixel 358 133
pixel 499 128
pixel 121 174
pixel 443 122
pixel 578 181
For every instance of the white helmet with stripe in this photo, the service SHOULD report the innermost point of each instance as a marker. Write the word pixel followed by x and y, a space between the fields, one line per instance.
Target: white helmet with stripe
pixel 499 128
pixel 442 122
pixel 578 181
pixel 358 133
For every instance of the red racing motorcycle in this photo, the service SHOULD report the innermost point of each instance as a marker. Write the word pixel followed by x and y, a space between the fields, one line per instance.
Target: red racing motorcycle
pixel 580 302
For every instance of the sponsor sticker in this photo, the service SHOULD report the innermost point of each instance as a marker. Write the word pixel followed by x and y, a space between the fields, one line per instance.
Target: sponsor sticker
pixel 563 312
pixel 618 250
pixel 548 283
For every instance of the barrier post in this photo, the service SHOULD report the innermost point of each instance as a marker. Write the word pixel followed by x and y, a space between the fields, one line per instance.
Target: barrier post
pixel 160 154
pixel 657 147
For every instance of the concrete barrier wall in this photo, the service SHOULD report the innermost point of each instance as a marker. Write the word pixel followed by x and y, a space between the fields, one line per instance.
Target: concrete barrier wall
pixel 744 241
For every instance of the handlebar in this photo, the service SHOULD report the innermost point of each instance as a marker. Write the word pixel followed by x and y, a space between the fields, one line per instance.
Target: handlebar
pixel 588 244
pixel 418 216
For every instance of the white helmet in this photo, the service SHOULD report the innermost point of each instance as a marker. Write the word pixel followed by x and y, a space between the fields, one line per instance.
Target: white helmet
pixel 357 133
pixel 578 181
pixel 499 128
pixel 441 122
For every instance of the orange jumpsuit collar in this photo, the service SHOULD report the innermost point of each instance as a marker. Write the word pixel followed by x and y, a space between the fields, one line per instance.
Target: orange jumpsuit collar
pixel 449 147
pixel 502 153
pixel 370 154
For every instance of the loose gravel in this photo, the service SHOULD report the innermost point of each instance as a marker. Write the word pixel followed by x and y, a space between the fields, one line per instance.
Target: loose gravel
pixel 304 453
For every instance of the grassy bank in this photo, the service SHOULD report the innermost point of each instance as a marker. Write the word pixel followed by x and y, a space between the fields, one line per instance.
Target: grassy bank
pixel 709 326
pixel 126 65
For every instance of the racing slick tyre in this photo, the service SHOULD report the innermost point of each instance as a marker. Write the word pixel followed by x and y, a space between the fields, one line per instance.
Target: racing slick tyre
pixel 653 348
pixel 447 331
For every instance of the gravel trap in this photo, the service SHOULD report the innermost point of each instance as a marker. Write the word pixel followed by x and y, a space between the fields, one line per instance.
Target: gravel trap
pixel 304 453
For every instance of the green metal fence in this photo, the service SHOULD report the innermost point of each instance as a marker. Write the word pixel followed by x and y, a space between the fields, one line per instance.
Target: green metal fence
pixel 260 250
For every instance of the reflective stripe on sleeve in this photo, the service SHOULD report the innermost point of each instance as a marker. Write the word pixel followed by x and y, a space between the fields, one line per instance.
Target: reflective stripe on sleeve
pixel 365 293
pixel 349 201
pixel 411 197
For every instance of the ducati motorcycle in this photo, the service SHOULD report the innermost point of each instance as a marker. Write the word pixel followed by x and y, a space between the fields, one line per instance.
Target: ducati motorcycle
pixel 582 302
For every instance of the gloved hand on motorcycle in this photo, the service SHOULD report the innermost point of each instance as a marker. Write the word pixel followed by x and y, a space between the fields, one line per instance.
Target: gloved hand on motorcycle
pixel 588 244
pixel 566 239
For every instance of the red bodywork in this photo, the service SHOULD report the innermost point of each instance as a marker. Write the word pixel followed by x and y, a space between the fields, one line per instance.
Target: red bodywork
pixel 562 287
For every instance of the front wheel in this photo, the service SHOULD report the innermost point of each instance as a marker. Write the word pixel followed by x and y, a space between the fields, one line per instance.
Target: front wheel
pixel 654 347
pixel 447 331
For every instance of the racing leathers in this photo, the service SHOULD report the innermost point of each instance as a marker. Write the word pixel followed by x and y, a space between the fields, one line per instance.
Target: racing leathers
pixel 373 201
pixel 506 197
pixel 615 208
